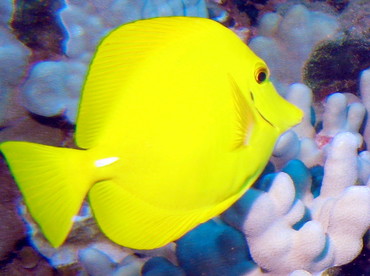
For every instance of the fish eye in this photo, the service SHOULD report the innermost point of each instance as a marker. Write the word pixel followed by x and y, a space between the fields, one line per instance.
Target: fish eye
pixel 261 74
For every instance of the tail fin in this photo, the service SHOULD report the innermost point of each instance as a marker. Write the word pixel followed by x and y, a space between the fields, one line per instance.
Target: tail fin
pixel 54 182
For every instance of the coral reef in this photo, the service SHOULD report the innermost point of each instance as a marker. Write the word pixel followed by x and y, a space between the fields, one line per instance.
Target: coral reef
pixel 343 112
pixel 285 42
pixel 35 24
pixel 213 248
pixel 85 235
pixel 97 263
pixel 6 10
pixel 309 209
pixel 53 87
pixel 355 19
pixel 365 96
pixel 13 64
pixel 12 229
pixel 26 261
pixel 161 266
pixel 332 223
pixel 16 256
pixel 344 58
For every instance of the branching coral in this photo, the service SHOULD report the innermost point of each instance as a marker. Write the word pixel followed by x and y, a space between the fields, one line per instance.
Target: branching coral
pixel 342 113
pixel 286 42
pixel 299 232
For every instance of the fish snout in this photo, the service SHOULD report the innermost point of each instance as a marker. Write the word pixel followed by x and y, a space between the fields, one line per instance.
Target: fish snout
pixel 290 115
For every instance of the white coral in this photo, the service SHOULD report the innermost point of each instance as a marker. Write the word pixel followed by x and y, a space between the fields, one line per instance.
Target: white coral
pixel 286 42
pixel 343 112
pixel 340 217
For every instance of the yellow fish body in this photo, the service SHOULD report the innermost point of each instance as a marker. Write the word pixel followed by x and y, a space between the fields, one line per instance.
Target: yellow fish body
pixel 177 119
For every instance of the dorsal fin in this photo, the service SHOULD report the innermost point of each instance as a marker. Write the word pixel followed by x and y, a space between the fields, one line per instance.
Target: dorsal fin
pixel 114 63
pixel 244 116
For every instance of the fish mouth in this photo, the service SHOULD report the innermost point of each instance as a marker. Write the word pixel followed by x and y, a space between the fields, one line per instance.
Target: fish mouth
pixel 263 117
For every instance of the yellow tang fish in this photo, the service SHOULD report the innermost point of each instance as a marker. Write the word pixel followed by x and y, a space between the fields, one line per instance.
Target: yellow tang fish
pixel 178 117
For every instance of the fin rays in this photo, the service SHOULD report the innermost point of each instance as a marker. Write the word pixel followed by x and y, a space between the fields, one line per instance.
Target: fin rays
pixel 47 178
pixel 131 222
pixel 119 54
pixel 243 116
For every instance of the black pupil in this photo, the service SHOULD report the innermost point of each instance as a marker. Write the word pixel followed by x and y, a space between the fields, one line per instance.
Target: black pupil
pixel 261 76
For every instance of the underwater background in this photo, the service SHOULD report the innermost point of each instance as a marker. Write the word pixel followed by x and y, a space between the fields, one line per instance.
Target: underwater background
pixel 309 212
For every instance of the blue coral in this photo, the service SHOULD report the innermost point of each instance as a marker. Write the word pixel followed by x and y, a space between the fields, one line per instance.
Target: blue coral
pixel 159 266
pixel 214 249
